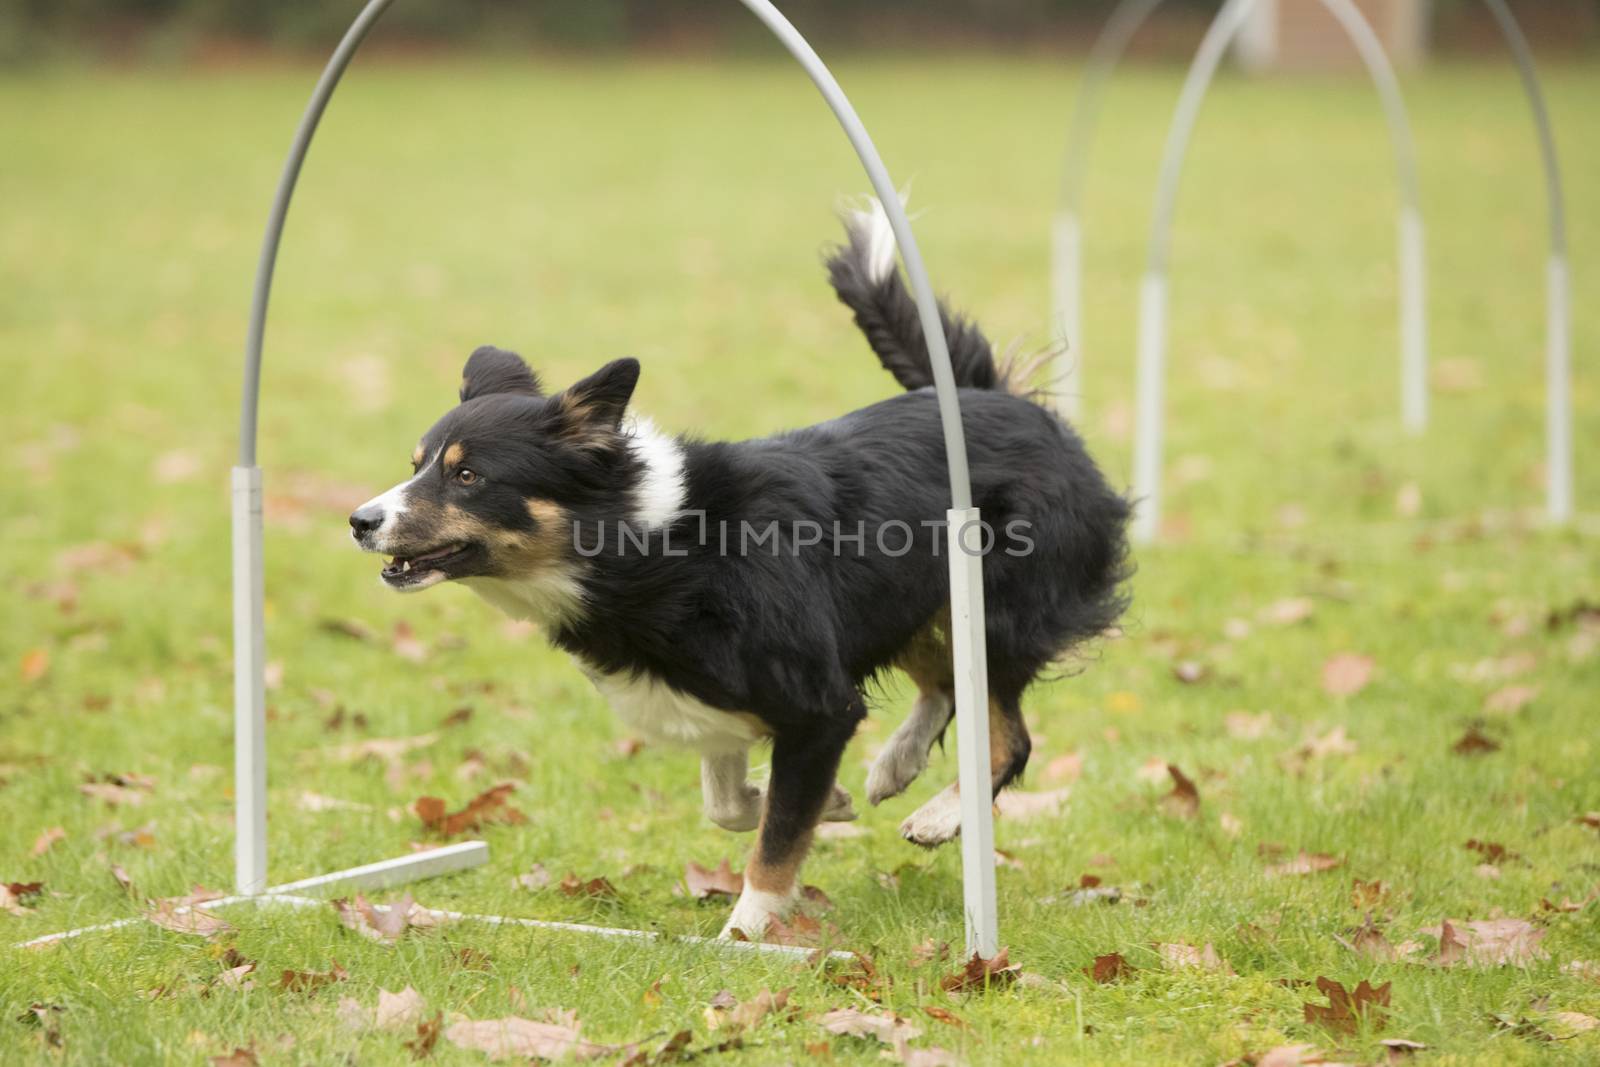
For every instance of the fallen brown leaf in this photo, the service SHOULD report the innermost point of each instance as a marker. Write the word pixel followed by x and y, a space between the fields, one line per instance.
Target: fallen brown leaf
pixel 310 981
pixel 47 840
pixel 184 919
pixel 1366 895
pixel 998 971
pixel 1488 942
pixel 1368 940
pixel 1475 743
pixel 885 1026
pixel 516 1037
pixel 1246 727
pixel 428 1031
pixel 536 878
pixel 1109 968
pixel 724 882
pixel 1184 800
pixel 1510 700
pixel 383 749
pixel 35 664
pixel 1288 612
pixel 1016 804
pixel 573 886
pixel 490 806
pixel 1066 768
pixel 385 925
pixel 1305 863
pixel 13 893
pixel 1346 1010
pixel 239 1057
pixel 1346 674
pixel 736 1017
pixel 1178 956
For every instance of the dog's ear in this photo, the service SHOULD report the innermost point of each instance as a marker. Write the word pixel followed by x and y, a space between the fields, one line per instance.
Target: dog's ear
pixel 592 409
pixel 494 370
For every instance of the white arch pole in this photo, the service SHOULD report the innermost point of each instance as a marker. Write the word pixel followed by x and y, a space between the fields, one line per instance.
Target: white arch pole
pixel 1066 245
pixel 966 574
pixel 1558 308
pixel 1153 288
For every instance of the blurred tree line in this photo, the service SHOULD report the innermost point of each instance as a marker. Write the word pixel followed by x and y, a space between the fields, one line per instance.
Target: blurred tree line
pixel 38 27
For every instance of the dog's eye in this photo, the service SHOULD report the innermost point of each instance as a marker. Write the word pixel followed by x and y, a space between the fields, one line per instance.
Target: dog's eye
pixel 466 477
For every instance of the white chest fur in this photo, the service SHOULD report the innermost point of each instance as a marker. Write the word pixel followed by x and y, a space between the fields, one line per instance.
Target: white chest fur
pixel 662 715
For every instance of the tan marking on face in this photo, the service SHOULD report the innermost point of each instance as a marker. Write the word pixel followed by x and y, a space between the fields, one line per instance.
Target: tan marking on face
pixel 454 454
pixel 416 455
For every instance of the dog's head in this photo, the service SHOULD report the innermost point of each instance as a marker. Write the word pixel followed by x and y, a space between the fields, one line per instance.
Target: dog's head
pixel 498 481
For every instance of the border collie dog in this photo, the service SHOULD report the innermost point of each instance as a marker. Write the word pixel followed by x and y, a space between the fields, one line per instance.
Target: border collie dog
pixel 725 594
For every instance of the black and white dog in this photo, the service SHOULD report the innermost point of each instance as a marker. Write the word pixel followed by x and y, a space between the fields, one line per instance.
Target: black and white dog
pixel 721 595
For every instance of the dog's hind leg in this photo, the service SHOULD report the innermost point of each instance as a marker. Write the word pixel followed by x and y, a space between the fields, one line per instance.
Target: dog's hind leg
pixel 734 803
pixel 927 660
pixel 939 820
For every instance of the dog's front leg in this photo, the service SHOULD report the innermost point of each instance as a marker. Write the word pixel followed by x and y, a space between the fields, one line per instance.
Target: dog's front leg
pixel 804 763
pixel 730 801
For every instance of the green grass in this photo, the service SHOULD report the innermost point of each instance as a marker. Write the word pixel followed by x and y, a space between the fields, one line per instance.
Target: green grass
pixel 674 212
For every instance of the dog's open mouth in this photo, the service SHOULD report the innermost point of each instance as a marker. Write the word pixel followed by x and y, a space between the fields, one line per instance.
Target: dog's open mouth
pixel 424 569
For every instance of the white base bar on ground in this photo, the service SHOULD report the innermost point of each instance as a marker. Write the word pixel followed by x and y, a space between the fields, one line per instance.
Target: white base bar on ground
pixel 1149 405
pixel 1413 323
pixel 249 689
pixel 967 541
pixel 1066 298
pixel 1558 392
pixel 398 871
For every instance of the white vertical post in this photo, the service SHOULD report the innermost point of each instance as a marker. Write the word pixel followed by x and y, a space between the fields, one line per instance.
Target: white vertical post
pixel 1066 300
pixel 966 539
pixel 249 686
pixel 1413 323
pixel 1150 405
pixel 1558 391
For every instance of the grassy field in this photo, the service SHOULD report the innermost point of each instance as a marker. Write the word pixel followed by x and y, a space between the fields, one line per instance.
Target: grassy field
pixel 675 212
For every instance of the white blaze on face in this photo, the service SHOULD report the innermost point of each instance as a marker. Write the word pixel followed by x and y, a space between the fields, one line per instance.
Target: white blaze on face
pixel 393 505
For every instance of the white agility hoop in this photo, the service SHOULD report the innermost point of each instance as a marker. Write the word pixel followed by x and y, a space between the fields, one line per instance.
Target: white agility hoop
pixel 248 591
pixel 1151 369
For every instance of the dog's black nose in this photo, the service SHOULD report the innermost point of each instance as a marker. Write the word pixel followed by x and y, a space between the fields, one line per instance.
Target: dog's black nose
pixel 366 519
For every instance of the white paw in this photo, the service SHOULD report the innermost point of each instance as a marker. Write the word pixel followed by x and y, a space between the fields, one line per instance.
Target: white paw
pixel 896 767
pixel 754 912
pixel 936 822
pixel 840 807
pixel 738 813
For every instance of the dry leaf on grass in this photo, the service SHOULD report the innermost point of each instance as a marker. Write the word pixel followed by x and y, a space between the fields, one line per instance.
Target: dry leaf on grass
pixel 1305 863
pixel 385 925
pixel 113 794
pixel 519 1038
pixel 1488 942
pixel 13 893
pixel 239 1057
pixel 998 971
pixel 885 1026
pixel 1366 895
pixel 536 878
pixel 310 981
pixel 1246 727
pixel 1346 1009
pixel 1067 768
pixel 316 802
pixel 573 886
pixel 47 840
pixel 1346 674
pixel 1510 700
pixel 1367 940
pixel 403 1009
pixel 1475 743
pixel 725 1013
pixel 490 806
pixel 1109 968
pixel 1016 804
pixel 1179 956
pixel 1184 800
pixel 924 1057
pixel 35 664
pixel 383 749
pixel 1288 612
pixel 724 882
pixel 428 1032
pixel 183 919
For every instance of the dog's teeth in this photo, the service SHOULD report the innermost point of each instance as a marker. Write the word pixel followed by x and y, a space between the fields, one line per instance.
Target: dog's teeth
pixel 406 566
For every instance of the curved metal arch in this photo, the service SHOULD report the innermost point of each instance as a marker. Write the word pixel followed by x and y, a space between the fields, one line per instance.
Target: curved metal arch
pixel 1067 229
pixel 965 566
pixel 1558 294
pixel 1151 371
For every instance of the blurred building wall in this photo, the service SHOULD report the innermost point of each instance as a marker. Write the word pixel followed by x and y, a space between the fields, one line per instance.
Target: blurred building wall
pixel 1300 35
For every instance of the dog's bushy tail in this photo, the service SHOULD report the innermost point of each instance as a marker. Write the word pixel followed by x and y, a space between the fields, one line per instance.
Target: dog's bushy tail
pixel 864 274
